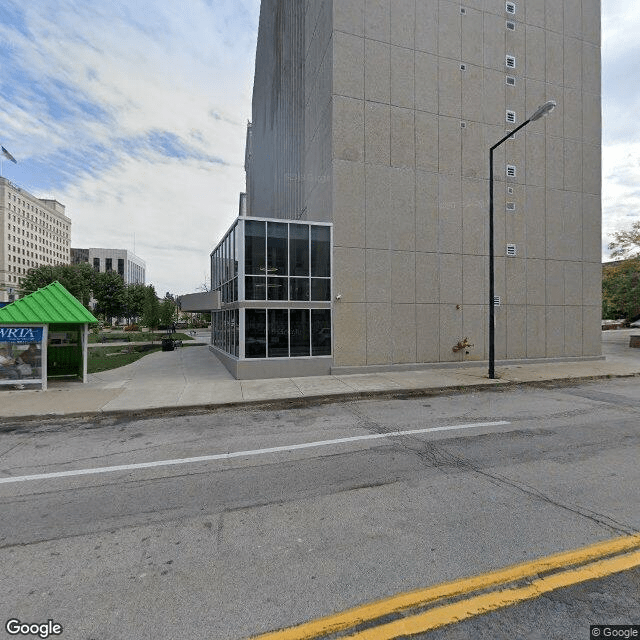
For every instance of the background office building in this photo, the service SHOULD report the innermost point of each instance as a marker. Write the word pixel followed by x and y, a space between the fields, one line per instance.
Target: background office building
pixel 376 117
pixel 127 264
pixel 33 232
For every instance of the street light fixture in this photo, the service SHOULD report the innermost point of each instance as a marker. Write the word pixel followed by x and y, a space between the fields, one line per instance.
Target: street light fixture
pixel 540 112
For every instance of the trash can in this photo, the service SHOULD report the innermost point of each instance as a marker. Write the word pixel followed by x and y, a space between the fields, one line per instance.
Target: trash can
pixel 167 344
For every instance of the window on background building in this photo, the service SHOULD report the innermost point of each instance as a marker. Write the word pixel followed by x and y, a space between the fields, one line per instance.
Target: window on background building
pixel 121 267
pixel 96 264
pixel 108 264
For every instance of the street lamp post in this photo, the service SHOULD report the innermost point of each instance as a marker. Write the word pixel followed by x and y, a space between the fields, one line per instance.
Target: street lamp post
pixel 539 113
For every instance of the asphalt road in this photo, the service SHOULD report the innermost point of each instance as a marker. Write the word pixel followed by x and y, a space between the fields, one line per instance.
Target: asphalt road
pixel 234 546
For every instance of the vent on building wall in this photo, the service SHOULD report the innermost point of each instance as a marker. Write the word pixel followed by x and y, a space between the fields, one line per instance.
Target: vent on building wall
pixel 510 61
pixel 511 25
pixel 511 171
pixel 511 116
pixel 463 125
pixel 510 7
pixel 510 190
pixel 463 67
pixel 511 81
pixel 496 301
pixel 512 250
pixel 511 206
pixel 463 11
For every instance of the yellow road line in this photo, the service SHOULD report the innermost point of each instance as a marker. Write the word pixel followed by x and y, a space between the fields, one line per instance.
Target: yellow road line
pixel 352 617
pixel 476 605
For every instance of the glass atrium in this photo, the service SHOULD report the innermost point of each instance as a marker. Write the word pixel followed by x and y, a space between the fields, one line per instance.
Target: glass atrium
pixel 274 279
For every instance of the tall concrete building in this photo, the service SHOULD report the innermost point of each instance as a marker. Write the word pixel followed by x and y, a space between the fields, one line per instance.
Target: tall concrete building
pixel 375 117
pixel 127 264
pixel 33 232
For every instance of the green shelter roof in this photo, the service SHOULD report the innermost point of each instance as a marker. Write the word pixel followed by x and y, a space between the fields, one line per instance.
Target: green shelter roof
pixel 52 304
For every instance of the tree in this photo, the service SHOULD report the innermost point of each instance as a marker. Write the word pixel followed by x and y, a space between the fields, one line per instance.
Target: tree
pixel 626 243
pixel 621 289
pixel 109 292
pixel 151 312
pixel 77 279
pixel 167 311
pixel 135 295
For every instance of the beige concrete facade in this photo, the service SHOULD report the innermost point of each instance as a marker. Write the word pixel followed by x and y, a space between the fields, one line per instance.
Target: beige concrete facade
pixel 33 232
pixel 403 99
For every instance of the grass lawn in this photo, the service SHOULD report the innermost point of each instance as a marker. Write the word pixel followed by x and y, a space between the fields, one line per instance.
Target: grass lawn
pixel 105 358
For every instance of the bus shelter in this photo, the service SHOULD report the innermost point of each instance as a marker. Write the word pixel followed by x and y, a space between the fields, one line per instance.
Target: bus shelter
pixel 44 335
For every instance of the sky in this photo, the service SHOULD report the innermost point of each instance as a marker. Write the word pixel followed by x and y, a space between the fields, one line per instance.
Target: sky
pixel 133 115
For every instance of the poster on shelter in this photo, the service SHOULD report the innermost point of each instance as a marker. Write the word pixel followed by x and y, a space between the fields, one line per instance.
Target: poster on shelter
pixel 20 354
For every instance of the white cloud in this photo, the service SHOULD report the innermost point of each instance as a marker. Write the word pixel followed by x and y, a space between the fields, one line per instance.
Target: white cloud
pixel 98 89
pixel 621 103
pixel 177 211
pixel 620 189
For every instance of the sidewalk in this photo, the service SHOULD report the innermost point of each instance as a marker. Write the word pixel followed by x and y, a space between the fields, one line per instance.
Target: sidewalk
pixel 193 379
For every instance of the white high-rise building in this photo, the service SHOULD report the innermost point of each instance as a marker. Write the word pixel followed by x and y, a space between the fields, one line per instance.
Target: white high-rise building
pixel 33 232
pixel 127 264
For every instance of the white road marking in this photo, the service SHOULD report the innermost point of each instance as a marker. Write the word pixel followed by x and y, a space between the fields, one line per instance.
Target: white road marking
pixel 243 454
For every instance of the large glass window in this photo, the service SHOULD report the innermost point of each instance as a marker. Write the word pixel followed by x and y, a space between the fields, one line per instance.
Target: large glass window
pixel 299 333
pixel 254 248
pixel 320 252
pixel 299 249
pixel 278 333
pixel 255 333
pixel 236 337
pixel 299 289
pixel 277 288
pixel 277 258
pixel 320 289
pixel 255 288
pixel 321 332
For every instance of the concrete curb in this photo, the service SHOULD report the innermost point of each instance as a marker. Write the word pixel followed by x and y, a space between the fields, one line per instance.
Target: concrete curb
pixel 14 423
